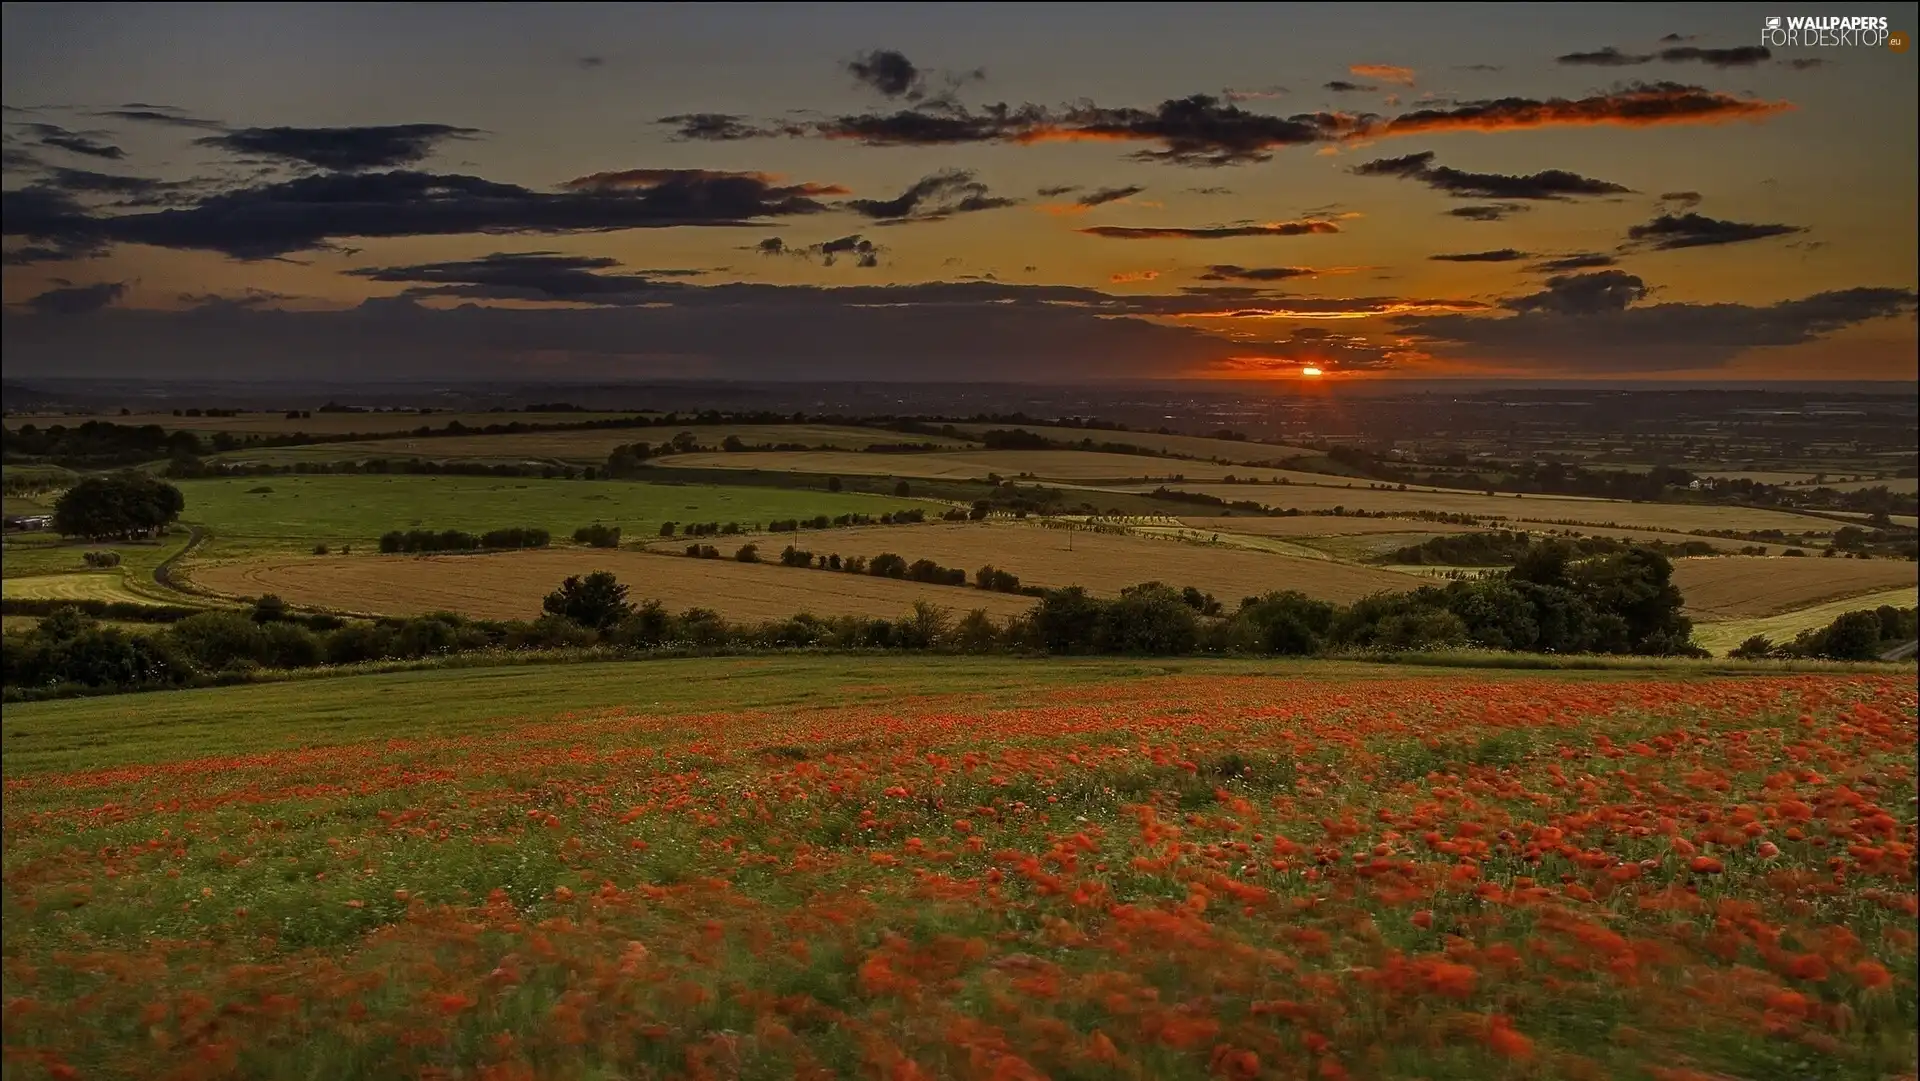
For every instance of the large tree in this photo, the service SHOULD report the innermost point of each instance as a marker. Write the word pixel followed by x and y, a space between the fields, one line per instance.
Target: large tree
pixel 121 506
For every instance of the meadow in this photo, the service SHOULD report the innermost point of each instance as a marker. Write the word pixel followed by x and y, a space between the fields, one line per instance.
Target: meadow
pixel 912 868
pixel 263 515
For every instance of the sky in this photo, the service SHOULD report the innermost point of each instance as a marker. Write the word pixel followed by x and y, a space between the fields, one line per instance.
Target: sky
pixel 1054 193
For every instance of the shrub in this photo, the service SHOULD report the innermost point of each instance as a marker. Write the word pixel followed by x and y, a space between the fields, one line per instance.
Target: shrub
pixel 319 549
pixel 101 559
pixel 748 553
pixel 598 536
pixel 289 645
pixel 219 641
pixel 887 565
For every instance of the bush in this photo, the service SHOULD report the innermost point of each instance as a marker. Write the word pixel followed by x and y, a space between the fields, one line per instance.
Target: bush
pixel 598 536
pixel 101 559
pixel 289 645
pixel 1758 647
pixel 887 565
pixel 319 549
pixel 219 641
pixel 748 553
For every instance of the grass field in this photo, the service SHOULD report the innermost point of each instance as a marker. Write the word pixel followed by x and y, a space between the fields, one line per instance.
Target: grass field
pixel 1056 465
pixel 1891 484
pixel 1676 517
pixel 25 554
pixel 510 585
pixel 1720 636
pixel 317 424
pixel 1102 562
pixel 914 868
pixel 1226 450
pixel 583 447
pixel 1742 587
pixel 294 513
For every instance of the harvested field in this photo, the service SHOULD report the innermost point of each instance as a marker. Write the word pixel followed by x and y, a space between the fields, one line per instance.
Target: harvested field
pixel 1057 465
pixel 252 515
pixel 1102 562
pixel 273 423
pixel 1678 517
pixel 1740 587
pixel 589 447
pixel 1195 446
pixel 1719 636
pixel 94 586
pixel 1316 525
pixel 510 585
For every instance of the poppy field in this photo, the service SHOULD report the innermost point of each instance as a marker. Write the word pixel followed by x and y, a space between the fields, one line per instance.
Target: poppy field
pixel 1308 870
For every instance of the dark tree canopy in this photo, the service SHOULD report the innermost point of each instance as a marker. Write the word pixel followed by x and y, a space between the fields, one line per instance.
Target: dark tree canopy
pixel 118 507
pixel 598 600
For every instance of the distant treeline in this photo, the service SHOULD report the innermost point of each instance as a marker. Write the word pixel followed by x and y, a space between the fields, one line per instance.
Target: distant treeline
pixel 1502 547
pixel 1548 602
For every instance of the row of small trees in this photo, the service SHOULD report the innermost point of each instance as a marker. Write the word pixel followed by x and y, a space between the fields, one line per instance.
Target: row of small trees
pixel 454 540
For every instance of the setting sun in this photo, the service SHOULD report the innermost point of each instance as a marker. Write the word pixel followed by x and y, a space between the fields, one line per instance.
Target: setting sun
pixel 1310 373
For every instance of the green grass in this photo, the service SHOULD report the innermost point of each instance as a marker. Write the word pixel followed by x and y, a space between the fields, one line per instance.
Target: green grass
pixel 33 554
pixel 260 515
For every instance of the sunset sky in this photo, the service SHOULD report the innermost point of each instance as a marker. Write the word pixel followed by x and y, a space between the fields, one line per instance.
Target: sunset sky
pixel 1028 192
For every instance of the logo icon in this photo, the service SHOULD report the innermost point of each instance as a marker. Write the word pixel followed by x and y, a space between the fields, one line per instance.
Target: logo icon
pixel 1773 22
pixel 1897 41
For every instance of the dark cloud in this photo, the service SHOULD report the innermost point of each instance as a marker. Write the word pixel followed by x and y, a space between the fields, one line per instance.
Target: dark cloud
pixel 275 219
pixel 717 127
pixel 1608 57
pixel 890 73
pixel 1057 189
pixel 69 299
pixel 1682 198
pixel 160 114
pixel 1342 86
pixel 986 330
pixel 1481 67
pixel 57 226
pixel 1214 232
pixel 590 62
pixel 1498 255
pixel 135 190
pixel 1639 105
pixel 1576 261
pixel 865 252
pixel 250 297
pixel 1203 130
pixel 19 160
pixel 1229 272
pixel 342 149
pixel 542 275
pixel 932 198
pixel 86 143
pixel 1582 294
pixel 1582 325
pixel 1742 56
pixel 1490 212
pixel 1550 184
pixel 1101 196
pixel 1805 63
pixel 1670 231
pixel 1265 93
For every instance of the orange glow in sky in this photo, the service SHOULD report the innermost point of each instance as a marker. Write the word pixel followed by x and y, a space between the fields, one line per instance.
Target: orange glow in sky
pixel 1310 373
